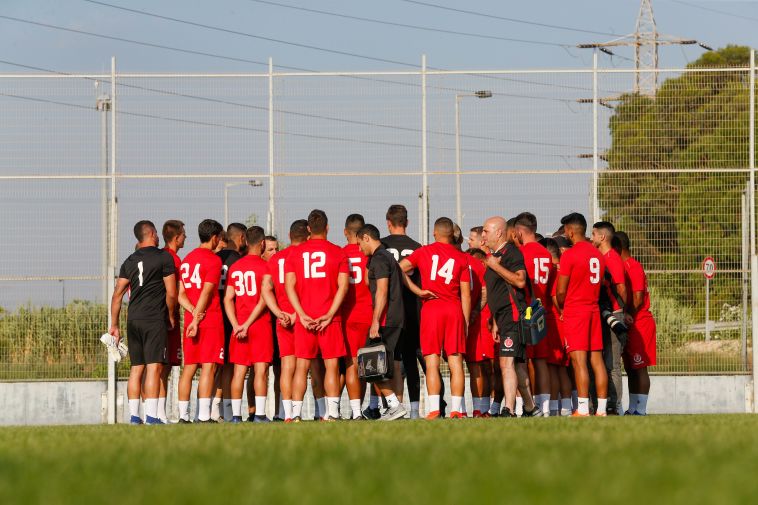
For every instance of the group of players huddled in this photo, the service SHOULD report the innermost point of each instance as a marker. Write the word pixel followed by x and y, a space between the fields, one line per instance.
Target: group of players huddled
pixel 307 309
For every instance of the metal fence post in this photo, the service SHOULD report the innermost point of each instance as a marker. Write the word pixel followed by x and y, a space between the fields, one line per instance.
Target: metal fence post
pixel 753 257
pixel 112 233
pixel 424 239
pixel 270 220
pixel 595 205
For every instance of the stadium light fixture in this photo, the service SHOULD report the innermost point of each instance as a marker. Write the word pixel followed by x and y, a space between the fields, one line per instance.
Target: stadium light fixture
pixel 485 93
pixel 253 183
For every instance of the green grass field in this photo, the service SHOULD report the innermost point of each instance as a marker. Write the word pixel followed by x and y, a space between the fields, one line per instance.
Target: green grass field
pixel 658 459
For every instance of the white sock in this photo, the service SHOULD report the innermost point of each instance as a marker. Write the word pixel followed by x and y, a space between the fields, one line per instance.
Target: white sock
pixel 519 406
pixel 162 409
pixel 434 403
pixel 642 404
pixel 236 408
pixel 184 410
pixel 457 401
pixel 355 406
pixel 203 409
pixel 280 412
pixel 228 414
pixel 215 414
pixel 392 400
pixel 373 401
pixel 602 405
pixel 543 402
pixel 320 407
pixel 633 398
pixel 151 407
pixel 287 408
pixel 574 400
pixel 566 406
pixel 333 406
pixel 297 408
pixel 583 406
pixel 554 406
pixel 414 407
pixel 260 405
pixel 134 407
pixel 495 408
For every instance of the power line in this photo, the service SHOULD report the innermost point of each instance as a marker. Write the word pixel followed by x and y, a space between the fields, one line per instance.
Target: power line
pixel 503 18
pixel 717 11
pixel 414 27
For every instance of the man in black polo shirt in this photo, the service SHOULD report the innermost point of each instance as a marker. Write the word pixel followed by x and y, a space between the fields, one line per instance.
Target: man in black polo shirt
pixel 506 280
pixel 149 275
pixel 386 285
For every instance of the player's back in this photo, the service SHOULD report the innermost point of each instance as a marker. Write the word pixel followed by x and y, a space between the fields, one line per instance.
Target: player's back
pixel 276 269
pixel 539 269
pixel 228 258
pixel 199 267
pixel 585 267
pixel 145 269
pixel 441 267
pixel 477 270
pixel 357 305
pixel 616 274
pixel 246 276
pixel 637 281
pixel 317 264
pixel 400 246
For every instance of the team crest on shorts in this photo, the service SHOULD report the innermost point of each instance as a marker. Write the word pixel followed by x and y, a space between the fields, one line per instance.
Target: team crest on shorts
pixel 508 342
pixel 637 359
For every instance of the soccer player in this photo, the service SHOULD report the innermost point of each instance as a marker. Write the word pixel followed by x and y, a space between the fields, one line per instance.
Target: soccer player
pixel 285 331
pixel 475 240
pixel 400 245
pixel 539 270
pixel 444 271
pixel 613 295
pixel 174 237
pixel 252 341
pixel 316 280
pixel 479 349
pixel 272 247
pixel 577 293
pixel 233 250
pixel 639 353
pixel 149 274
pixel 204 324
pixel 505 280
pixel 356 311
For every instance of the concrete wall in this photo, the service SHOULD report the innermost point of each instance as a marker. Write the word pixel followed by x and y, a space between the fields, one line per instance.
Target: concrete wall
pixel 47 403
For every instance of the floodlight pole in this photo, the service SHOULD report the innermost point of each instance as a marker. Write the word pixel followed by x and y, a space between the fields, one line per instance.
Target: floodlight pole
pixel 112 250
pixel 458 97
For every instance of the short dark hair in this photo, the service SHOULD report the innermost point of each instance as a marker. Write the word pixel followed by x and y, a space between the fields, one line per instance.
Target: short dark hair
pixel 446 226
pixel 235 228
pixel 142 228
pixel 539 236
pixel 510 223
pixel 271 238
pixel 476 253
pixel 605 226
pixel 559 232
pixel 552 246
pixel 354 222
pixel 397 215
pixel 209 228
pixel 171 228
pixel 317 221
pixel 477 229
pixel 299 230
pixel 457 234
pixel 255 235
pixel 527 220
pixel 575 219
pixel 370 230
pixel 623 240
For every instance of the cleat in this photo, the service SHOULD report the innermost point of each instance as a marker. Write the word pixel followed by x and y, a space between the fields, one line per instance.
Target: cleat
pixel 477 414
pixel 153 420
pixel 507 413
pixel 392 414
pixel 435 414
pixel 496 414
pixel 278 420
pixel 457 415
pixel 611 412
pixel 535 412
pixel 288 420
pixel 638 414
pixel 372 414
pixel 443 406
pixel 236 420
pixel 208 421
pixel 184 421
pixel 601 414
pixel 577 414
pixel 261 419
pixel 135 420
pixel 328 419
pixel 296 419
pixel 359 418
pixel 251 418
pixel 486 415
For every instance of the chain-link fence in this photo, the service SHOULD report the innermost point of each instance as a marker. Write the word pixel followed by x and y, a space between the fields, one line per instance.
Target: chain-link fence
pixel 671 170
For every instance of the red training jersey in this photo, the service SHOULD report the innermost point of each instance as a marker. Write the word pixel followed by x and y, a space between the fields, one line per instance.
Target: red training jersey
pixel 357 306
pixel 615 266
pixel 317 264
pixel 276 269
pixel 476 274
pixel 199 267
pixel 637 281
pixel 246 276
pixel 585 268
pixel 540 269
pixel 442 268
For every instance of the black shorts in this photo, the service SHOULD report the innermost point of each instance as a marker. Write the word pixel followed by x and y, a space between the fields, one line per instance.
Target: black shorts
pixel 227 338
pixel 147 341
pixel 277 359
pixel 513 340
pixel 391 338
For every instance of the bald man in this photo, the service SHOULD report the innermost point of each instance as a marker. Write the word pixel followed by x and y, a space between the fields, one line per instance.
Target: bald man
pixel 444 320
pixel 505 281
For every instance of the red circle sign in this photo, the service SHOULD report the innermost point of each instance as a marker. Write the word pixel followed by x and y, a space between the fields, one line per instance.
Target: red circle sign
pixel 709 267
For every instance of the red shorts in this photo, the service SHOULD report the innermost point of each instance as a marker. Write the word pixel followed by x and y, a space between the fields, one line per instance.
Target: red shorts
pixel 442 328
pixel 206 347
pixel 640 348
pixel 582 331
pixel 329 343
pixel 286 339
pixel 174 347
pixel 557 354
pixel 356 334
pixel 479 341
pixel 257 347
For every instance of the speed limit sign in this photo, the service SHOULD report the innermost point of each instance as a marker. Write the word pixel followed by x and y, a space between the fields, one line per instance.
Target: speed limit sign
pixel 709 267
